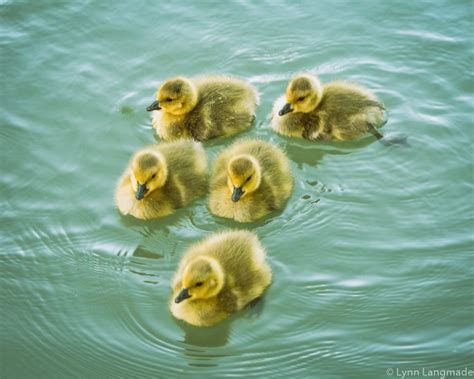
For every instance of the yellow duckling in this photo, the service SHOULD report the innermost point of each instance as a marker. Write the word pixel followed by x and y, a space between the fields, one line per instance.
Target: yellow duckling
pixel 203 108
pixel 219 276
pixel 335 111
pixel 250 179
pixel 162 178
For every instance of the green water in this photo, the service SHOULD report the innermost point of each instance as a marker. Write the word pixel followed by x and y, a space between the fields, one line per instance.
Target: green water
pixel 372 256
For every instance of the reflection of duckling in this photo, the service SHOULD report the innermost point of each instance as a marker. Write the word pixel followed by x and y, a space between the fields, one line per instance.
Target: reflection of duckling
pixel 335 111
pixel 203 108
pixel 161 178
pixel 249 179
pixel 219 276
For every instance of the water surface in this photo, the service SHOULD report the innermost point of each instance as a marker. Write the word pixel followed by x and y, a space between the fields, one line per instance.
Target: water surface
pixel 372 256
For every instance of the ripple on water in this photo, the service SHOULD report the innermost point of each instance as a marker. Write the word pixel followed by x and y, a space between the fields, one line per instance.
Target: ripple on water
pixel 370 255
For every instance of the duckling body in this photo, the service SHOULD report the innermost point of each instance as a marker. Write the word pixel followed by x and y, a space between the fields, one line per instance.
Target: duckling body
pixel 249 179
pixel 203 108
pixel 336 111
pixel 161 178
pixel 219 276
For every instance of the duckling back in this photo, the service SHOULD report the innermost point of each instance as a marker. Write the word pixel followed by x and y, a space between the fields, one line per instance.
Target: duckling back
pixel 187 179
pixel 274 188
pixel 245 275
pixel 225 106
pixel 347 110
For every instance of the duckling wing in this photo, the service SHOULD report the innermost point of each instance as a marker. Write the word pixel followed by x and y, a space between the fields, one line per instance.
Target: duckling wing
pixel 225 106
pixel 346 102
pixel 243 260
pixel 188 176
pixel 346 111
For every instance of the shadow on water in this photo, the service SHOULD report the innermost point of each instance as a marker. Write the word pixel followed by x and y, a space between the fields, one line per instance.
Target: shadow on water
pixel 395 139
pixel 311 153
pixel 230 224
pixel 141 252
pixel 165 225
pixel 212 336
pixel 140 264
pixel 199 342
pixel 220 142
pixel 197 338
pixel 160 223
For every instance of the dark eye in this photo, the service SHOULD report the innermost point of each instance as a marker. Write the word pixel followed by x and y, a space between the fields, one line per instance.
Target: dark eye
pixel 199 284
pixel 250 177
pixel 301 98
pixel 153 176
pixel 168 99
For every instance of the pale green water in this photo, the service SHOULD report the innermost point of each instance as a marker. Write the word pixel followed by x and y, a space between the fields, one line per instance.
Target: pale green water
pixel 372 257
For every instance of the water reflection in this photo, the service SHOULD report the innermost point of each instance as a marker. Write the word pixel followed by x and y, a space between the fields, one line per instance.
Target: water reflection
pixel 309 153
pixel 212 336
pixel 144 253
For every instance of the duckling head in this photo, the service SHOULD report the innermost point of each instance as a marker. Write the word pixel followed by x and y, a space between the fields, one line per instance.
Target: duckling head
pixel 202 278
pixel 148 173
pixel 244 176
pixel 176 96
pixel 303 94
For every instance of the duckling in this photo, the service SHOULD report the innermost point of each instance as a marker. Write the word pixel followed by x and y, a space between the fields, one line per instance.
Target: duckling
pixel 161 178
pixel 219 276
pixel 249 179
pixel 203 108
pixel 335 111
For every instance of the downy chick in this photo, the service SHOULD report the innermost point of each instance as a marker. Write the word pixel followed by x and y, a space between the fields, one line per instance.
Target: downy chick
pixel 203 108
pixel 250 179
pixel 219 276
pixel 162 178
pixel 334 111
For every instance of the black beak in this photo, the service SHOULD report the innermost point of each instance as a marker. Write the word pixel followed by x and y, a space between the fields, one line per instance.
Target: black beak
pixel 286 109
pixel 183 295
pixel 236 194
pixel 141 191
pixel 155 106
